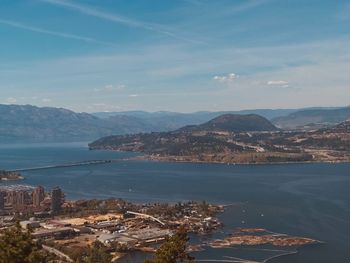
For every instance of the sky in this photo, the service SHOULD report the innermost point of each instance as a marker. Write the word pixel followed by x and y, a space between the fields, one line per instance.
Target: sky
pixel 175 55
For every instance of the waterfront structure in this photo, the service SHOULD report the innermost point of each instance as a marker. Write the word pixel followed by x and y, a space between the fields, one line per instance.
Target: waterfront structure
pixel 56 199
pixel 38 196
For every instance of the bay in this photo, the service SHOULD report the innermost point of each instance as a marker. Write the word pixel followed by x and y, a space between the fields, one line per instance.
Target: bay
pixel 311 200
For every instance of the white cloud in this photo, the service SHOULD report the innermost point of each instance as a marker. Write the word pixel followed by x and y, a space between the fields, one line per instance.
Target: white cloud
pixel 134 95
pixel 226 78
pixel 319 73
pixel 280 83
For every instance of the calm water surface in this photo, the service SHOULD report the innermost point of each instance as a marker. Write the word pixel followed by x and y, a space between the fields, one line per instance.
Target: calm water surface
pixel 311 200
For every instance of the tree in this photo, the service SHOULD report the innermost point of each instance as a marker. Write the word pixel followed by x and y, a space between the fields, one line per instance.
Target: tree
pixel 97 253
pixel 173 250
pixel 17 246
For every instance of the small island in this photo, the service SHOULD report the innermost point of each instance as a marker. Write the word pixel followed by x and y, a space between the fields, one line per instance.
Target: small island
pixel 258 237
pixel 10 175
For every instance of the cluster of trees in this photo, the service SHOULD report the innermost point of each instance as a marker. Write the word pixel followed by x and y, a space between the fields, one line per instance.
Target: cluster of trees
pixel 95 206
pixel 173 250
pixel 180 209
pixel 17 246
pixel 96 253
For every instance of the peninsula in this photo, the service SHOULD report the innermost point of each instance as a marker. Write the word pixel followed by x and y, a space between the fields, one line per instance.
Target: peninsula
pixel 236 139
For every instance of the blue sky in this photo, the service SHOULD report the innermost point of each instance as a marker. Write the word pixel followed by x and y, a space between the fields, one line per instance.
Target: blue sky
pixel 177 55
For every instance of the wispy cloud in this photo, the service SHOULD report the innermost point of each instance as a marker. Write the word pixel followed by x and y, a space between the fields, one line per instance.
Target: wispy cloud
pixel 110 87
pixel 116 18
pixel 226 78
pixel 53 33
pixel 250 4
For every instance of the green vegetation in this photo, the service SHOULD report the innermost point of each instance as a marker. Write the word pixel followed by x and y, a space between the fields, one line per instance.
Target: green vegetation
pixel 179 210
pixel 173 250
pixel 17 246
pixel 89 207
pixel 96 253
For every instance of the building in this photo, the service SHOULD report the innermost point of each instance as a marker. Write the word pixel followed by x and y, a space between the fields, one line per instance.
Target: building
pixel 56 199
pixel 107 227
pixel 153 234
pixel 2 200
pixel 38 196
pixel 54 233
pixel 18 200
pixel 117 238
pixel 28 224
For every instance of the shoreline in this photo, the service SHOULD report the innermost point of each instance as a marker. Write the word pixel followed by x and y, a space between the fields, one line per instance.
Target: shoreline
pixel 170 160
pixel 12 179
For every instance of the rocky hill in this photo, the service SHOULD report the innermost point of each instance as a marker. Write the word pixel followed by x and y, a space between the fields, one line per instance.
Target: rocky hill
pixel 234 123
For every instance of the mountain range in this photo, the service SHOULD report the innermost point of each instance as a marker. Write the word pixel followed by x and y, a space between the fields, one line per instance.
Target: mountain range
pixel 27 123
pixel 312 117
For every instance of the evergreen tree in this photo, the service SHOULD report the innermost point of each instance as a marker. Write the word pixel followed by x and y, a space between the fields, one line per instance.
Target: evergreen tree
pixel 173 250
pixel 97 253
pixel 17 246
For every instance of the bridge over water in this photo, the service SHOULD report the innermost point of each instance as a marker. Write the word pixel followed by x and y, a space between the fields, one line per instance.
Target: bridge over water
pixel 82 163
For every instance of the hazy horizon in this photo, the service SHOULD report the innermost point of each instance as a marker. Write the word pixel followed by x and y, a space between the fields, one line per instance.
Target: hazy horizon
pixel 183 112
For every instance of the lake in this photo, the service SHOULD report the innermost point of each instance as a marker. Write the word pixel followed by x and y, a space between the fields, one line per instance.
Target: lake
pixel 311 200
